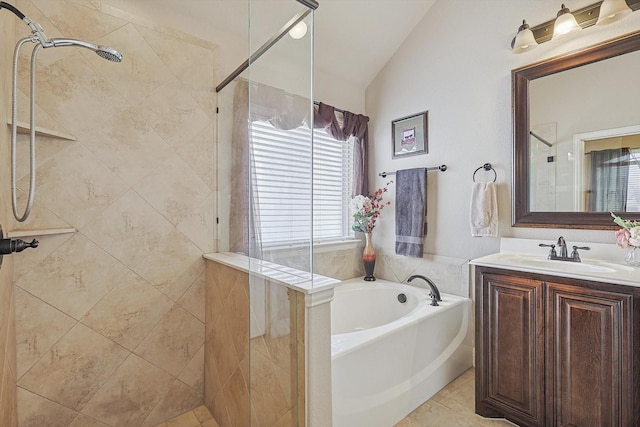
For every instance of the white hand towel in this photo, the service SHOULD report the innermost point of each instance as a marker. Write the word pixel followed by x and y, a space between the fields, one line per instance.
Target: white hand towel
pixel 483 216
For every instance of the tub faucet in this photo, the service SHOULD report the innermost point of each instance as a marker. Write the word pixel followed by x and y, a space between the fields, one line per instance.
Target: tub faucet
pixel 434 294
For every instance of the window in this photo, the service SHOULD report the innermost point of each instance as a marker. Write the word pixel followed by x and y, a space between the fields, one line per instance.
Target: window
pixel 282 160
pixel 633 186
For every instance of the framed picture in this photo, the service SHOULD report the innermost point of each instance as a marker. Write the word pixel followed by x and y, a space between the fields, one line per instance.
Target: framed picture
pixel 409 135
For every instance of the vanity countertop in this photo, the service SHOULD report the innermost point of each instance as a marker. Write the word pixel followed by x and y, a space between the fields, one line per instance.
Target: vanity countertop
pixel 607 264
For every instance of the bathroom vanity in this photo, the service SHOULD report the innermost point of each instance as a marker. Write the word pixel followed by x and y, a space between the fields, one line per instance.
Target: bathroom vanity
pixel 557 343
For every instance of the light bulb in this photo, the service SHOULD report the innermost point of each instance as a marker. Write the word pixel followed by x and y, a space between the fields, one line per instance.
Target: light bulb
pixel 612 10
pixel 524 40
pixel 565 23
pixel 298 31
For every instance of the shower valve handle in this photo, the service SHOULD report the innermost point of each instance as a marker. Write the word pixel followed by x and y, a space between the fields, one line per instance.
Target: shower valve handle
pixel 9 246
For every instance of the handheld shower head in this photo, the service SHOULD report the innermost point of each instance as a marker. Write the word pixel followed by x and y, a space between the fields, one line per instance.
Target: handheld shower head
pixel 109 54
pixel 105 52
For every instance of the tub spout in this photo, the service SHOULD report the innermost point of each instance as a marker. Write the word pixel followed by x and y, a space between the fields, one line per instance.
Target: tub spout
pixel 434 294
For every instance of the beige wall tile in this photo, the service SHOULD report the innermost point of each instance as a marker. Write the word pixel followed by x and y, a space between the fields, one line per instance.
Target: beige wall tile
pixel 84 421
pixel 128 312
pixel 47 147
pixel 46 246
pixel 193 373
pixel 268 400
pixel 202 413
pixel 128 146
pixel 129 229
pixel 173 114
pixel 75 368
pixel 7 389
pixel 199 152
pixel 173 265
pixel 186 420
pixel 219 348
pixel 75 277
pixel 236 316
pixel 75 186
pixel 36 411
pixel 193 298
pixel 173 342
pixel 74 94
pixel 236 397
pixel 176 192
pixel 130 394
pixel 40 326
pixel 78 21
pixel 141 71
pixel 178 400
pixel 190 64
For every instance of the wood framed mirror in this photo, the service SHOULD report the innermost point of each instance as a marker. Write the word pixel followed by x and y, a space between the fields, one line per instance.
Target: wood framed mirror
pixel 552 186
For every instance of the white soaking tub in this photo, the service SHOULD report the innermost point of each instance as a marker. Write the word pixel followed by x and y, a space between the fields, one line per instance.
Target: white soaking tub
pixel 388 357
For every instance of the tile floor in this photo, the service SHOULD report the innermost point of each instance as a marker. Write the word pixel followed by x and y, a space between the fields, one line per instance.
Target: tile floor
pixel 199 417
pixel 453 406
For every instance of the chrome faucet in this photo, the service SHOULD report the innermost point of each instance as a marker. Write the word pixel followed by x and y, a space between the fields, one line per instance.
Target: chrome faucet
pixel 562 247
pixel 562 254
pixel 434 293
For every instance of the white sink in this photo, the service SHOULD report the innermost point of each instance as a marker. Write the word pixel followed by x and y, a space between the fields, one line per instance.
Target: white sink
pixel 586 266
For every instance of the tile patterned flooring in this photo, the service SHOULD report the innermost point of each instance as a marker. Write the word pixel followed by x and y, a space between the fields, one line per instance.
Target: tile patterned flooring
pixel 453 406
pixel 199 417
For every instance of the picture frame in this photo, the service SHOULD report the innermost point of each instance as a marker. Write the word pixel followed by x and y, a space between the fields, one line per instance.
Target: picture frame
pixel 409 135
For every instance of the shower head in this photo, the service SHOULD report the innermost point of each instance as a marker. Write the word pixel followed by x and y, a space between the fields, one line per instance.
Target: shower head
pixel 109 54
pixel 39 37
pixel 105 52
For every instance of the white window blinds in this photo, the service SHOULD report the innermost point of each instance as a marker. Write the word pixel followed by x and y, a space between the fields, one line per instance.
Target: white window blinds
pixel 289 198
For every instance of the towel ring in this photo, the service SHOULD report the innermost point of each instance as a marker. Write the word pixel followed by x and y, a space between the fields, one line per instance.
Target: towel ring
pixel 487 167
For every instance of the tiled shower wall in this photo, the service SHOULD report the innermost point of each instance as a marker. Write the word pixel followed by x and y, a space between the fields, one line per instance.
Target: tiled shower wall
pixel 110 318
pixel 7 320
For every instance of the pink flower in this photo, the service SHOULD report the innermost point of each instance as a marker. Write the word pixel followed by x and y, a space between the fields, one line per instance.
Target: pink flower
pixel 622 238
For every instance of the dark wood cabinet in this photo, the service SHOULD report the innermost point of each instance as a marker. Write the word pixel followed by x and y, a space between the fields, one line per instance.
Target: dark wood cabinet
pixel 555 351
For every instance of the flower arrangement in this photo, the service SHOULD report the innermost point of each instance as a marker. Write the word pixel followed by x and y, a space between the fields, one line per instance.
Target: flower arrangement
pixel 629 235
pixel 366 210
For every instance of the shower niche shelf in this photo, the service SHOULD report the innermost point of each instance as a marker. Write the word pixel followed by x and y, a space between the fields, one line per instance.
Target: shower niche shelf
pixel 25 129
pixel 39 232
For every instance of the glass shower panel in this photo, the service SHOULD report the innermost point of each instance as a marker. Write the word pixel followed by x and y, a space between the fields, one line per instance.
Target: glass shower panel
pixel 280 225
pixel 280 102
pixel 264 168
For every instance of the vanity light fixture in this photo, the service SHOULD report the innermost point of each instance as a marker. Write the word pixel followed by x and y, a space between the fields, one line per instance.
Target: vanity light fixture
pixel 565 23
pixel 601 12
pixel 524 40
pixel 298 31
pixel 612 11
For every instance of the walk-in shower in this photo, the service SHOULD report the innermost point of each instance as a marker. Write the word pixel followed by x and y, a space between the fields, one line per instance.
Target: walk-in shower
pixel 40 39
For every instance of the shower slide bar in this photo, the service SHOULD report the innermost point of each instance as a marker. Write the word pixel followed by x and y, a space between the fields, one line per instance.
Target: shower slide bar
pixel 310 4
pixel 441 168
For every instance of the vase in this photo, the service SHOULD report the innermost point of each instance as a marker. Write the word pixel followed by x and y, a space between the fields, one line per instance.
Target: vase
pixel 369 258
pixel 633 256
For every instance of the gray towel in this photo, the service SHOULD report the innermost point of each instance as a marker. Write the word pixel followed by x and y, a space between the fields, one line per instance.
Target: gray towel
pixel 411 204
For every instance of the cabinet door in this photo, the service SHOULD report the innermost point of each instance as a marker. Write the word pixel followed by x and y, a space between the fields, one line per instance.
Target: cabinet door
pixel 589 372
pixel 511 343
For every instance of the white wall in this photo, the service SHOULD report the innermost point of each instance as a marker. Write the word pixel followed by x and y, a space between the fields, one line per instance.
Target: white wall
pixel 457 64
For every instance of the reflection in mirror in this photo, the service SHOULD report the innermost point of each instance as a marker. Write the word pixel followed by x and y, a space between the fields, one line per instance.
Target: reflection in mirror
pixel 596 101
pixel 577 137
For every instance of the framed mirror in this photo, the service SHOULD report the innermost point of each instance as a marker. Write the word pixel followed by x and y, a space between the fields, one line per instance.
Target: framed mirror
pixel 576 124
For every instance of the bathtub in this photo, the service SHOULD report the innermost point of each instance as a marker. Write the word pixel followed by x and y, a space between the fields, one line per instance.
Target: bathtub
pixel 389 357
